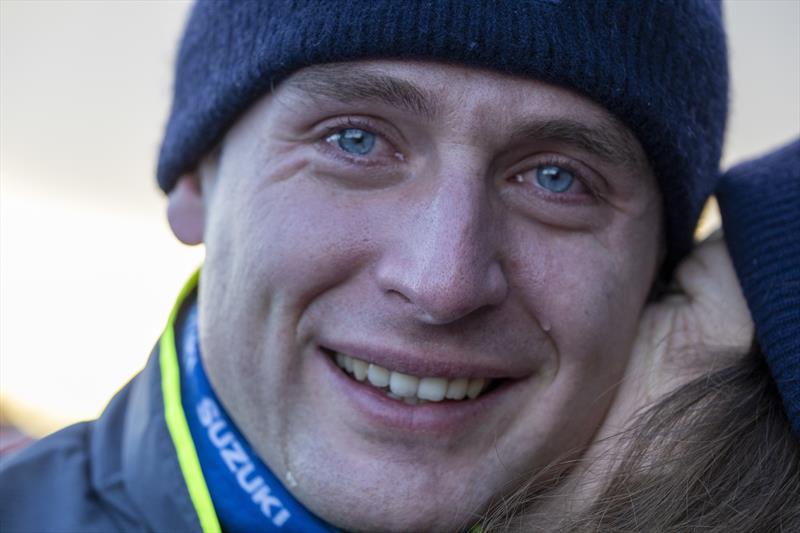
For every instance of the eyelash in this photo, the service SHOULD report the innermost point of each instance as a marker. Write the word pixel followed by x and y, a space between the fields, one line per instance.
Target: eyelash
pixel 582 177
pixel 362 124
pixel 590 195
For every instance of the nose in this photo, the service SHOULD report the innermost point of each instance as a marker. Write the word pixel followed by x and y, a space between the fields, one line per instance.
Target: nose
pixel 444 263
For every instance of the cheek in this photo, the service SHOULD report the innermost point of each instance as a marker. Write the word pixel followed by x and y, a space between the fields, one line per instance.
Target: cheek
pixel 587 293
pixel 290 240
pixel 271 250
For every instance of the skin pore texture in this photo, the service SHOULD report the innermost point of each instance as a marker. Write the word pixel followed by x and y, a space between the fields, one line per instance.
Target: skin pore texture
pixel 401 213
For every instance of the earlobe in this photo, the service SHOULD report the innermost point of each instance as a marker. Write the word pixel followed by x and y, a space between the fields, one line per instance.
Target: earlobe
pixel 185 210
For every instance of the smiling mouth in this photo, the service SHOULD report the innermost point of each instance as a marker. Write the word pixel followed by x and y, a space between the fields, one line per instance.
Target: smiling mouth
pixel 410 389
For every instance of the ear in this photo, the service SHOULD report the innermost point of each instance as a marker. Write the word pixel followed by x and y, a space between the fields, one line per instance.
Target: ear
pixel 185 211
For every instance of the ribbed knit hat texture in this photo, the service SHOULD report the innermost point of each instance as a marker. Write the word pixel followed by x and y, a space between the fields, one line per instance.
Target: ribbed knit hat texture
pixel 760 205
pixel 660 67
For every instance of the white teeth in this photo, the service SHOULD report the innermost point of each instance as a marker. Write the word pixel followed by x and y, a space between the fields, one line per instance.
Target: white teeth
pixel 378 376
pixel 411 389
pixel 457 389
pixel 403 384
pixel 432 389
pixel 475 387
pixel 360 369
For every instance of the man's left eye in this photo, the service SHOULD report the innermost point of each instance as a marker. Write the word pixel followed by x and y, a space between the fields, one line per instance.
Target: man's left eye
pixel 554 178
pixel 353 141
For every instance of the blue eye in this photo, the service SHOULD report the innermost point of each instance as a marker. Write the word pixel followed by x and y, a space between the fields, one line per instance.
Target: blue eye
pixel 554 178
pixel 355 141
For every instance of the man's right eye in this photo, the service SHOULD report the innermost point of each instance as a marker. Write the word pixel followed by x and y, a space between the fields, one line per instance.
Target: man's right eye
pixel 354 141
pixel 554 178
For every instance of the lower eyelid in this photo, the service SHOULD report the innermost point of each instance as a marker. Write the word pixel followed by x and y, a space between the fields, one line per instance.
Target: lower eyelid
pixel 535 192
pixel 383 152
pixel 329 149
pixel 531 177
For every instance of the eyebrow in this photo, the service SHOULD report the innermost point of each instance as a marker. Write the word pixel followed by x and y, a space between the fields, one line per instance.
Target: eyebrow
pixel 609 140
pixel 352 84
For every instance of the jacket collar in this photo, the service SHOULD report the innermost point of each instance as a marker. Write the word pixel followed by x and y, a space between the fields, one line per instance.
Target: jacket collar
pixel 159 465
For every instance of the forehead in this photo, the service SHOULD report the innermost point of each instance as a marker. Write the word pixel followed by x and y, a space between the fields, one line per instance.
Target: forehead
pixel 445 93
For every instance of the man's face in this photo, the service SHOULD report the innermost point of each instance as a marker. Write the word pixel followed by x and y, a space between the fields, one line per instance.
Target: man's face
pixel 450 226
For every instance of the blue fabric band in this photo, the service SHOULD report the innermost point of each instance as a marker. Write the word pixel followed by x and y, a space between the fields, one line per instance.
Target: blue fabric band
pixel 246 494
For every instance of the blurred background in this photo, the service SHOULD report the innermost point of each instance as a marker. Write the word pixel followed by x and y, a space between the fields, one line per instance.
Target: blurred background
pixel 88 266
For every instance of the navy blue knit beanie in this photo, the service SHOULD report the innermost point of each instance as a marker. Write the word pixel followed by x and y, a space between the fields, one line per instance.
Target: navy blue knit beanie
pixel 659 66
pixel 760 205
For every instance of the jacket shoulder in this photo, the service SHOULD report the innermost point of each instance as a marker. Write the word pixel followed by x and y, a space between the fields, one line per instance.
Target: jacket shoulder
pixel 52 485
pixel 47 487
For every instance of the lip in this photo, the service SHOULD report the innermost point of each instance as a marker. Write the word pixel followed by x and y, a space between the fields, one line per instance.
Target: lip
pixel 430 364
pixel 437 418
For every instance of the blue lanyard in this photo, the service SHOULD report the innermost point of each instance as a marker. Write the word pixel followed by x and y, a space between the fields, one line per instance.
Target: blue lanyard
pixel 246 494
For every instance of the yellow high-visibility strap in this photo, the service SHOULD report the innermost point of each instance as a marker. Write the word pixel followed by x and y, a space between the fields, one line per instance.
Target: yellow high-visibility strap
pixel 176 419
